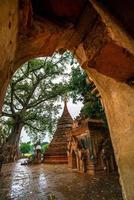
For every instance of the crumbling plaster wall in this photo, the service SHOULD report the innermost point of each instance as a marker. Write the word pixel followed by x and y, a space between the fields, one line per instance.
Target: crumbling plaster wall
pixel 8 34
pixel 118 100
pixel 110 66
pixel 104 50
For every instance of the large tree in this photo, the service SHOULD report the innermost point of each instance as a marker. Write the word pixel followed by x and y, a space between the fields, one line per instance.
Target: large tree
pixel 81 90
pixel 30 100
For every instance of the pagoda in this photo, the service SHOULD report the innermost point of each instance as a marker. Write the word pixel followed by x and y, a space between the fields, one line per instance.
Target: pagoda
pixel 57 151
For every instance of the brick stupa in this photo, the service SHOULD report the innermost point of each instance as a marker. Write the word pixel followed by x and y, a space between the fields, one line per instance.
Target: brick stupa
pixel 57 151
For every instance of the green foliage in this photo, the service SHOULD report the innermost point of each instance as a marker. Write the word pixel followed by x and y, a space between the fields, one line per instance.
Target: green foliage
pixel 32 93
pixel 92 106
pixel 34 89
pixel 25 147
pixel 77 84
pixel 80 90
pixel 44 147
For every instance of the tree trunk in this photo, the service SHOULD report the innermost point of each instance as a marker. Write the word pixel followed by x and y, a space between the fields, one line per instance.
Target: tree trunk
pixel 12 143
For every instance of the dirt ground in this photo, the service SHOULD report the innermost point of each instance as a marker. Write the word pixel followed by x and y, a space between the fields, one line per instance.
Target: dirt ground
pixel 41 182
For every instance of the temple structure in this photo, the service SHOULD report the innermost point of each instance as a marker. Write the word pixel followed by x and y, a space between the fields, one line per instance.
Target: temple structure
pixel 100 33
pixel 57 151
pixel 89 147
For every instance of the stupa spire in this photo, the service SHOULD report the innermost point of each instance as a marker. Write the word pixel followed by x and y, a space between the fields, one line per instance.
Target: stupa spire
pixel 57 151
pixel 66 115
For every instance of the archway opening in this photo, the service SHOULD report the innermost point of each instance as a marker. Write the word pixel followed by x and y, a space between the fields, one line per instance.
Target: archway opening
pixel 105 36
pixel 85 144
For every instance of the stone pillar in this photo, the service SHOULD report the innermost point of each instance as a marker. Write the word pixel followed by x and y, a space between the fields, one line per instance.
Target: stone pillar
pixel 118 99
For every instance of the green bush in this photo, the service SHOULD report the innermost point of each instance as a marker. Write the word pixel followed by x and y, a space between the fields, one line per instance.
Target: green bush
pixel 25 148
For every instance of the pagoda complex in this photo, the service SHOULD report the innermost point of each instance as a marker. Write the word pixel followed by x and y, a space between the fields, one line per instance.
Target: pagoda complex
pixel 89 147
pixel 57 151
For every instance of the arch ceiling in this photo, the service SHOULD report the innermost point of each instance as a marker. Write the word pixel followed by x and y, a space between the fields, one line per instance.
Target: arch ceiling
pixel 63 24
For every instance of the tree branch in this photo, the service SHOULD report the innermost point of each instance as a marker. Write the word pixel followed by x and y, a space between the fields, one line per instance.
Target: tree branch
pixel 6 114
pixel 32 92
pixel 18 99
pixel 35 128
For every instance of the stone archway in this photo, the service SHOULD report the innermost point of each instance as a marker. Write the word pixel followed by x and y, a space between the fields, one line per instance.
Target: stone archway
pixel 104 46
